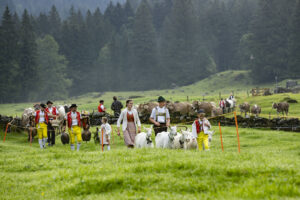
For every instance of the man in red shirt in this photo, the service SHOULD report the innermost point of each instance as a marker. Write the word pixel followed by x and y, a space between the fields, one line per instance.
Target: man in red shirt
pixel 41 121
pixel 101 108
pixel 74 126
pixel 222 105
pixel 52 113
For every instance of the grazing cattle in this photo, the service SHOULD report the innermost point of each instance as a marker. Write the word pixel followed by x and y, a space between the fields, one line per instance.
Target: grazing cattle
pixel 180 108
pixel 255 110
pixel 143 140
pixel 245 108
pixel 282 107
pixel 206 106
pixel 166 139
pixel 146 108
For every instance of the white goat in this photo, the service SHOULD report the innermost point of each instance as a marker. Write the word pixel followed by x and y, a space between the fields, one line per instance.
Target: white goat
pixel 179 141
pixel 143 140
pixel 190 141
pixel 166 139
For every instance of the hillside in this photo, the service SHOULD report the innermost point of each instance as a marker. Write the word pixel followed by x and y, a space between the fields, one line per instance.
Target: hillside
pixel 225 82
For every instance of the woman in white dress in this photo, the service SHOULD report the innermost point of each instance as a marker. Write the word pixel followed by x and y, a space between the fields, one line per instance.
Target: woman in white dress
pixel 131 124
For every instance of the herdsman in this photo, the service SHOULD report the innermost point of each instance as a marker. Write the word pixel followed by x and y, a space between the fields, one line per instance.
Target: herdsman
pixel 52 113
pixel 41 121
pixel 160 116
pixel 74 126
pixel 200 130
pixel 116 106
pixel 101 108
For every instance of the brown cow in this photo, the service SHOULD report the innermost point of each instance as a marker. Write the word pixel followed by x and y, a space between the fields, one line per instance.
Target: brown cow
pixel 245 108
pixel 282 107
pixel 146 108
pixel 181 108
pixel 255 110
pixel 206 106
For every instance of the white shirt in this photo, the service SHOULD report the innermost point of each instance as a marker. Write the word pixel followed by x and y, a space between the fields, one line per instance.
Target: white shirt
pixel 50 110
pixel 42 116
pixel 160 119
pixel 74 118
pixel 106 133
pixel 102 107
pixel 106 129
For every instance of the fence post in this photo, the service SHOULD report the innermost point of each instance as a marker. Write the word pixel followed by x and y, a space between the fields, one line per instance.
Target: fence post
pixel 5 132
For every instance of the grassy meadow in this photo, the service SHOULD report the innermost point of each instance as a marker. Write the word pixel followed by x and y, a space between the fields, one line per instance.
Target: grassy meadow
pixel 266 168
pixel 207 89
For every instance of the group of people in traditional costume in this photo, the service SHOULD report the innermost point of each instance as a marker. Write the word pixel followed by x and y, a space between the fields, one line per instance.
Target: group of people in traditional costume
pixel 43 118
pixel 129 118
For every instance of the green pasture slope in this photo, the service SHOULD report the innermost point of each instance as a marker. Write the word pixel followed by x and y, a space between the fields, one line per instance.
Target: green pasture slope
pixel 225 82
pixel 266 168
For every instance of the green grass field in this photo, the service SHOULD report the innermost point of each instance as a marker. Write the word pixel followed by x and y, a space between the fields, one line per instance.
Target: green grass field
pixel 266 168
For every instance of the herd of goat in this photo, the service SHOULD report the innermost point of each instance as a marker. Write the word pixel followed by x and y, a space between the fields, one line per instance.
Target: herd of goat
pixel 167 140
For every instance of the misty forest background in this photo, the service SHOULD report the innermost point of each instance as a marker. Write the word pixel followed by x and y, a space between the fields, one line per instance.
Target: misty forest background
pixel 56 49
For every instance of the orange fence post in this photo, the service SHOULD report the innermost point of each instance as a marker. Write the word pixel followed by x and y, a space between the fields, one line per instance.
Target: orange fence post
pixel 221 137
pixel 5 132
pixel 237 132
pixel 102 138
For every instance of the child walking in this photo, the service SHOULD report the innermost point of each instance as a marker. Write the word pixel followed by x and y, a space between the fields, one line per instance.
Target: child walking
pixel 105 129
pixel 200 130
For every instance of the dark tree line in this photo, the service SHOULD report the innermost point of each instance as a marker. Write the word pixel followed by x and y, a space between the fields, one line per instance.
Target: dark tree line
pixel 144 45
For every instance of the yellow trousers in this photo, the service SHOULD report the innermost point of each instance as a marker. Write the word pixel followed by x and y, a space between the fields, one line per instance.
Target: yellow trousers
pixel 42 130
pixel 202 139
pixel 75 131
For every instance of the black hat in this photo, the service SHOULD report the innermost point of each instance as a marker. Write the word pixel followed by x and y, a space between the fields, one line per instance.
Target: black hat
pixel 43 105
pixel 201 111
pixel 161 99
pixel 73 106
pixel 49 102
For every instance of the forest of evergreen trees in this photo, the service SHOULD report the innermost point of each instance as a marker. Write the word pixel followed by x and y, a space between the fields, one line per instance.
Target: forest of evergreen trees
pixel 141 45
